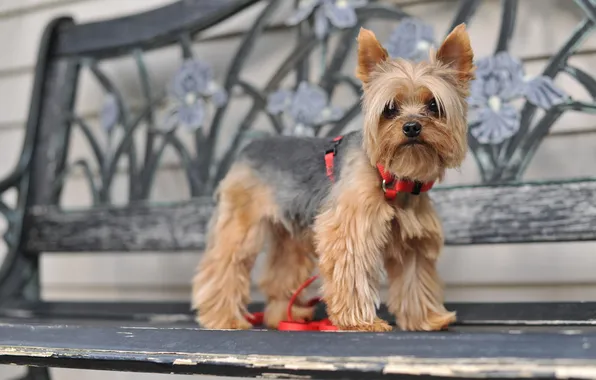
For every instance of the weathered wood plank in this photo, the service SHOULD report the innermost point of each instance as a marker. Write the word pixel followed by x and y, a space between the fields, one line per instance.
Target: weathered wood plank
pixel 519 213
pixel 471 215
pixel 136 228
pixel 535 314
pixel 453 354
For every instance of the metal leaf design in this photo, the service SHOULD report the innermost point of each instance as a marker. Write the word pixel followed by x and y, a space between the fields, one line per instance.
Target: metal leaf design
pixel 340 13
pixel 110 112
pixel 191 86
pixel 542 92
pixel 301 130
pixel 307 107
pixel 308 103
pixel 218 95
pixel 321 24
pixel 411 39
pixel 193 76
pixel 497 123
pixel 192 115
pixel 500 80
pixel 500 75
pixel 219 98
pixel 279 101
pixel 329 115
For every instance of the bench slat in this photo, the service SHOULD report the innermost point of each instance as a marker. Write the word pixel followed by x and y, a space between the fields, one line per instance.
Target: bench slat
pixel 455 354
pixel 523 213
pixel 146 30
pixel 475 314
pixel 136 228
pixel 519 213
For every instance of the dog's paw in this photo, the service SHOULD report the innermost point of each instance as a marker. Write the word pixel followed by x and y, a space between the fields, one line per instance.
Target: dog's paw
pixel 378 325
pixel 433 321
pixel 277 311
pixel 223 323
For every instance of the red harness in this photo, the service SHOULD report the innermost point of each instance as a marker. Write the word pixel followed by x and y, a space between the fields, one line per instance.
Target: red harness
pixel 390 184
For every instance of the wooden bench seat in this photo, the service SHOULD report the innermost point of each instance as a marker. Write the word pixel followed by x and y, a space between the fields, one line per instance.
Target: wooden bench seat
pixel 490 340
pixel 465 352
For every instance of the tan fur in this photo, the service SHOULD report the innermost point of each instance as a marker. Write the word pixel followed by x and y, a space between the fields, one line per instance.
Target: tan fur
pixel 357 233
pixel 370 53
pixel 415 291
pixel 408 85
pixel 221 287
pixel 291 261
pixel 351 233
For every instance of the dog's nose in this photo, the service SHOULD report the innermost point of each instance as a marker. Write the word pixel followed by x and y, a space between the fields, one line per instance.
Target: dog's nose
pixel 412 129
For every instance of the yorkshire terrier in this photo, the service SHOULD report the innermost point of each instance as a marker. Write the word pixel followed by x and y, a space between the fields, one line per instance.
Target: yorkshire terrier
pixel 355 205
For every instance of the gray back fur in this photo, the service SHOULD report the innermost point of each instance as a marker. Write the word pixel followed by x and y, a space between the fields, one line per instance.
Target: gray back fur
pixel 295 168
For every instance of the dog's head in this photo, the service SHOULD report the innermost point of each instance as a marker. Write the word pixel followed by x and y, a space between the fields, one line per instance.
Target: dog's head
pixel 415 120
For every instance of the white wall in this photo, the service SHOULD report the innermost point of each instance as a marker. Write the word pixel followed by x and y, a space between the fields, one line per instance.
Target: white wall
pixel 530 272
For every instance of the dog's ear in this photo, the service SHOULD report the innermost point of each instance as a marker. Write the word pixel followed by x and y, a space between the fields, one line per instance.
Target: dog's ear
pixel 370 54
pixel 456 52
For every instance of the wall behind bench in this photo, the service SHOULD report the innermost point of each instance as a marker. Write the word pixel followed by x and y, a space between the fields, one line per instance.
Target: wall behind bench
pixel 529 272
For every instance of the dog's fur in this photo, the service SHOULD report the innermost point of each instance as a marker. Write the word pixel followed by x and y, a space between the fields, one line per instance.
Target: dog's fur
pixel 277 192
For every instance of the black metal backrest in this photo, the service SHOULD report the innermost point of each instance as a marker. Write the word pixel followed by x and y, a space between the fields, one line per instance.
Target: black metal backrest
pixel 68 47
pixel 472 215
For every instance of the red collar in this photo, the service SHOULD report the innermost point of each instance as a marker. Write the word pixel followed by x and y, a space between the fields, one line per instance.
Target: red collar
pixel 391 185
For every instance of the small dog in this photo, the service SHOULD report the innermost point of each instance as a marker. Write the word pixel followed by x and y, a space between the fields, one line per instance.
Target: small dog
pixel 356 205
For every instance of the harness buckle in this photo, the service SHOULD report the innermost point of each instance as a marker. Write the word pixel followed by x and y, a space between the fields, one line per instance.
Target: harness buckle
pixel 417 188
pixel 384 185
pixel 333 149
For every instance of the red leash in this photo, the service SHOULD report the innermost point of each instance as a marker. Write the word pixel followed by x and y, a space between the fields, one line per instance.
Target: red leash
pixel 256 319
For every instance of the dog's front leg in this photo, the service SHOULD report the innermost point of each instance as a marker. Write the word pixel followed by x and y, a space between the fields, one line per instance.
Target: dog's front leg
pixel 415 289
pixel 416 292
pixel 351 236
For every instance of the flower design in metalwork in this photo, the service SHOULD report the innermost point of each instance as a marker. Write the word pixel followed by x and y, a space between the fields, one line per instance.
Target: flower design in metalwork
pixel 191 87
pixel 500 80
pixel 307 107
pixel 110 112
pixel 411 40
pixel 339 13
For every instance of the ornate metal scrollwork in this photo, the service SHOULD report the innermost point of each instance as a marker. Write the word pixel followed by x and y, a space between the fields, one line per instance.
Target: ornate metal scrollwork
pixel 503 138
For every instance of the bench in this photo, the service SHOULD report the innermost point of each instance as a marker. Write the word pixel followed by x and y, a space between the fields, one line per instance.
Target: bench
pixel 500 340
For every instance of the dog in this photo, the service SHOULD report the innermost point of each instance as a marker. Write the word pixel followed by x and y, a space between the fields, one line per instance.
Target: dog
pixel 356 206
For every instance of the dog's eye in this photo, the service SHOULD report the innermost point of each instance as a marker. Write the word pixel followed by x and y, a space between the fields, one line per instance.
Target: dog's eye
pixel 433 106
pixel 390 111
